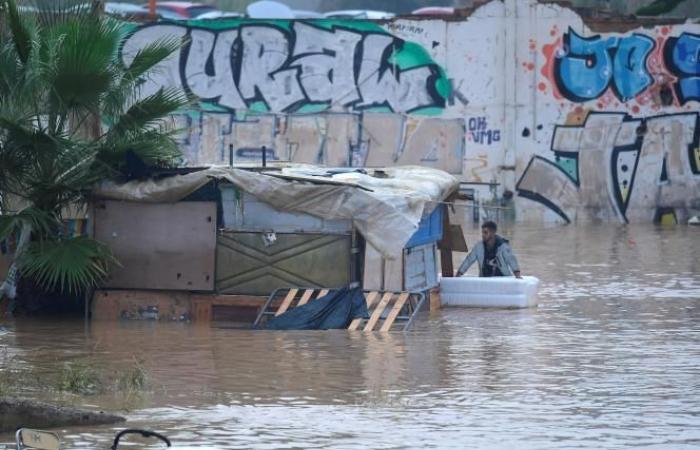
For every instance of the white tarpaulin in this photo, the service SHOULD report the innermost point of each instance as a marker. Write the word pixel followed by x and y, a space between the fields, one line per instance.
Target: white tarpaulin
pixel 385 209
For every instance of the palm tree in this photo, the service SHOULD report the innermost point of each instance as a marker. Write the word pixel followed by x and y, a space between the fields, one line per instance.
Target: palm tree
pixel 70 112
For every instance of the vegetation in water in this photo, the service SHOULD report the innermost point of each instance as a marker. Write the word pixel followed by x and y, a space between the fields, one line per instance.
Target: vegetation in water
pixel 83 377
pixel 79 378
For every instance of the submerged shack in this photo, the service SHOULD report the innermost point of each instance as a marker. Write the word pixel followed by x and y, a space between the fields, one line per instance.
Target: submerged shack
pixel 213 243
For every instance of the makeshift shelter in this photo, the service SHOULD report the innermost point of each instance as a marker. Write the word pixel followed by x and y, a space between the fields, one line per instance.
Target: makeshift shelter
pixel 228 231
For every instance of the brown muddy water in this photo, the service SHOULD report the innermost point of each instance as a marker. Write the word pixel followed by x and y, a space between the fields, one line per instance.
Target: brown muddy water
pixel 610 359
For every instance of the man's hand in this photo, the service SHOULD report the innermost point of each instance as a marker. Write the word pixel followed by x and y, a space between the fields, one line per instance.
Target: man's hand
pixel 517 274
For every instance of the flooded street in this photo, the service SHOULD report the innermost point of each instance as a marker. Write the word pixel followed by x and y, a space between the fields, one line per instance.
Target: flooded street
pixel 610 359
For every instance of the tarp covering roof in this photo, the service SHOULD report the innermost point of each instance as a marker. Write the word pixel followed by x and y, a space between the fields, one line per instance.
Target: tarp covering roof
pixel 385 205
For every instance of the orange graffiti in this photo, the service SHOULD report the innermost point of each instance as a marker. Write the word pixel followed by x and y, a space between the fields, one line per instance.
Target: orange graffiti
pixel 549 51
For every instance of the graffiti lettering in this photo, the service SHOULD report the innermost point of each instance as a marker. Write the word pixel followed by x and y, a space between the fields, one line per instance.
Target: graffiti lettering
pixel 479 132
pixel 382 84
pixel 630 73
pixel 684 61
pixel 208 73
pixel 337 140
pixel 289 66
pixel 616 166
pixel 587 67
pixel 326 60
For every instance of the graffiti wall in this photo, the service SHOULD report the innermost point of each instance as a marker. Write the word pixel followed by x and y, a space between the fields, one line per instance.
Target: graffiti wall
pixel 581 125
pixel 615 167
pixel 323 91
pixel 624 143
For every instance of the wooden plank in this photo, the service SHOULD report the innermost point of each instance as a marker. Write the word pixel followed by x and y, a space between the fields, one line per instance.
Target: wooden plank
pixel 323 293
pixel 446 245
pixel 370 301
pixel 305 298
pixel 287 301
pixel 378 311
pixel 202 312
pixel 394 312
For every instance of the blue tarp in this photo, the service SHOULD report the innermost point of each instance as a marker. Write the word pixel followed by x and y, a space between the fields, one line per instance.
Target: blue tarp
pixel 333 311
pixel 429 229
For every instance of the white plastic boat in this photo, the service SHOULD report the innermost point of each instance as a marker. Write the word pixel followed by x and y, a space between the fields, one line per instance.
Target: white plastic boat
pixel 490 292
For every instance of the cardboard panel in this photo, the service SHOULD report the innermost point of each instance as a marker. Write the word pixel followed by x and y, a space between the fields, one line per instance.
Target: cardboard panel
pixel 159 246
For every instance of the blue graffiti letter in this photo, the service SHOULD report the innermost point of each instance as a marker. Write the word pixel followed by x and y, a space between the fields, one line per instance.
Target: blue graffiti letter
pixel 630 68
pixel 685 62
pixel 585 71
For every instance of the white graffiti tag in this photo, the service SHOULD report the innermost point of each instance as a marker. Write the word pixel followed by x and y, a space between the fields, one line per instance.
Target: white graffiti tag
pixel 629 169
pixel 287 69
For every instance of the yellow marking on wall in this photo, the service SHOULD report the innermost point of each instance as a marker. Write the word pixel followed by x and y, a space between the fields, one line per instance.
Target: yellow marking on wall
pixel 668 219
pixel 624 191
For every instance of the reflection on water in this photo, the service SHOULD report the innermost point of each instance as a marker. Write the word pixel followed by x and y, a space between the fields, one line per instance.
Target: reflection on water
pixel 610 359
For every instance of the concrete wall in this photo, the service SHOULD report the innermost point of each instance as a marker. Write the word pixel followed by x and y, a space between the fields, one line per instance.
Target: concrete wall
pixel 581 126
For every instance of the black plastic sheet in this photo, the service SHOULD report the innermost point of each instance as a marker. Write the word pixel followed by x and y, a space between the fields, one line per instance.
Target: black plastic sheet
pixel 335 310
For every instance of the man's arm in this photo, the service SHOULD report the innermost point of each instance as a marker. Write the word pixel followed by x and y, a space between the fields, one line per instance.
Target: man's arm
pixel 467 263
pixel 512 261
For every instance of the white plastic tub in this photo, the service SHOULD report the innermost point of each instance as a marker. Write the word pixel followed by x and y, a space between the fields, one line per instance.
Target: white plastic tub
pixel 491 292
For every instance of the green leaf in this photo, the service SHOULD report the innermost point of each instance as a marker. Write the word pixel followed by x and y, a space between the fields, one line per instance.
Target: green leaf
pixel 21 29
pixel 39 221
pixel 154 147
pixel 54 12
pixel 82 67
pixel 150 56
pixel 149 111
pixel 70 265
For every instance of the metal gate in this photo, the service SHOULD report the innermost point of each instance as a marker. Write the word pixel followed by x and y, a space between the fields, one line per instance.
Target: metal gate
pixel 258 263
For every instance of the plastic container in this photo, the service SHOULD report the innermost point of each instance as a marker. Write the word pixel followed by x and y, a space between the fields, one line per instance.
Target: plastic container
pixel 489 292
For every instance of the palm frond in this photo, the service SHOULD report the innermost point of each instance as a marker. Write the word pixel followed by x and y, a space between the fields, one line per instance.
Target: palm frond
pixel 150 56
pixel 19 136
pixel 156 148
pixel 9 70
pixel 83 65
pixel 22 29
pixel 149 111
pixel 39 221
pixel 54 12
pixel 70 265
pixel 125 93
pixel 61 85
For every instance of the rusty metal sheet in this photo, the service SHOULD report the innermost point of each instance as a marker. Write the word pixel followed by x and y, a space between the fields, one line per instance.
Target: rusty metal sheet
pixel 249 264
pixel 244 212
pixel 168 246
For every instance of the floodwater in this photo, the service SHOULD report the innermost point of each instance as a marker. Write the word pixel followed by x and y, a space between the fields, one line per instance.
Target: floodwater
pixel 610 359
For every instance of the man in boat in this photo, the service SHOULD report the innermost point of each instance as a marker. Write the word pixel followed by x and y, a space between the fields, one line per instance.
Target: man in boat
pixel 494 255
